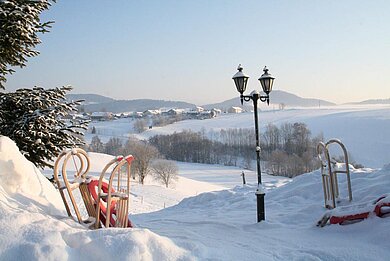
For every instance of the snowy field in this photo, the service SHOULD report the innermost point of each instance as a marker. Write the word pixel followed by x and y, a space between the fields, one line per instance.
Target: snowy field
pixel 365 130
pixel 208 214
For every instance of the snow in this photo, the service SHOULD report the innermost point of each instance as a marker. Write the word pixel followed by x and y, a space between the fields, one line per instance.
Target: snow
pixel 209 214
pixel 221 226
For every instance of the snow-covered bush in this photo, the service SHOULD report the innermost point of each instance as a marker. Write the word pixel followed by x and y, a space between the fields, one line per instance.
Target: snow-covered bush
pixel 19 25
pixel 39 123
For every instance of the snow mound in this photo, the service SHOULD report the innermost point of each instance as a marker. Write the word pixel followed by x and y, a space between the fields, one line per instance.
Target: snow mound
pixel 34 225
pixel 22 181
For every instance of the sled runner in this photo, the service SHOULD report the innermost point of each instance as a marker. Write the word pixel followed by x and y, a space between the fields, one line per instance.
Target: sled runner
pixel 81 164
pixel 355 213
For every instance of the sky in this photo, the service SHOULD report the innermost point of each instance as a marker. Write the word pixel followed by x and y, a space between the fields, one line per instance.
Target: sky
pixel 189 50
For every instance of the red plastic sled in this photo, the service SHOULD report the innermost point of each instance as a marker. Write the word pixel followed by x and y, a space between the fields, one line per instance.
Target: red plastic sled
pixel 382 208
pixel 355 213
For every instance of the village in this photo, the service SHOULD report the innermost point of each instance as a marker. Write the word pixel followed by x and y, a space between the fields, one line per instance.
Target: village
pixel 180 114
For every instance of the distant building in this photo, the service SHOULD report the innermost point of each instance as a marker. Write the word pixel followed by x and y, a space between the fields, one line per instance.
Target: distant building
pixel 173 112
pixel 101 116
pixel 151 112
pixel 197 109
pixel 235 110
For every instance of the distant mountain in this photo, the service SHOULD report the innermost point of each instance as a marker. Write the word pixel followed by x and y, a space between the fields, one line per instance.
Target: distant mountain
pixel 225 105
pixel 95 102
pixel 290 100
pixel 89 98
pixel 118 106
pixel 276 97
pixel 373 101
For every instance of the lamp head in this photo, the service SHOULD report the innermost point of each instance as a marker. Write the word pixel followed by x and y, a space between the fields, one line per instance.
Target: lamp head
pixel 266 81
pixel 240 80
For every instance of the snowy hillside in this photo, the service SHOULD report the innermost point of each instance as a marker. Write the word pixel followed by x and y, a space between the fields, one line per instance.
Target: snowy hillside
pixel 217 225
pixel 365 130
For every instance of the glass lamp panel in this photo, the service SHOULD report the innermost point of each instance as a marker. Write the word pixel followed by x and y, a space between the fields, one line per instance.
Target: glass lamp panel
pixel 266 84
pixel 245 82
pixel 240 83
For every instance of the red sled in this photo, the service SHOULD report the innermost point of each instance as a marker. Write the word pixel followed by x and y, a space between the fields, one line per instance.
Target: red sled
pixel 382 207
pixel 355 213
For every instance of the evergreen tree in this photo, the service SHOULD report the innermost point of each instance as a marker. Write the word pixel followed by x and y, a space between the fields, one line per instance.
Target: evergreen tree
pixel 36 119
pixel 19 25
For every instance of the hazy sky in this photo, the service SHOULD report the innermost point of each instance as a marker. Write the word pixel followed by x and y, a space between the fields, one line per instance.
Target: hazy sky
pixel 189 50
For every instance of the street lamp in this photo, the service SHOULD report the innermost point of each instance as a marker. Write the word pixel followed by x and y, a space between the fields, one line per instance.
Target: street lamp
pixel 266 80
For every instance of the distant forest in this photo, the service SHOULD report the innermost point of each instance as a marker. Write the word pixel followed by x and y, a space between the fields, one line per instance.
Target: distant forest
pixel 286 151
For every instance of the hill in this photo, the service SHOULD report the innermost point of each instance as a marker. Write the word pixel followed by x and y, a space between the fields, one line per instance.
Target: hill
pixel 235 102
pixel 276 97
pixel 290 100
pixel 372 101
pixel 118 106
pixel 95 102
pixel 89 98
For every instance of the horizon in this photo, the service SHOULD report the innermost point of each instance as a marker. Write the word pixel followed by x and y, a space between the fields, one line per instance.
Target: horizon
pixel 183 51
pixel 203 104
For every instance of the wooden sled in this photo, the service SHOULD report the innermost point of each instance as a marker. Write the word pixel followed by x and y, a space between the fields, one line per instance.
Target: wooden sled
pixel 329 172
pixel 114 194
pixel 67 183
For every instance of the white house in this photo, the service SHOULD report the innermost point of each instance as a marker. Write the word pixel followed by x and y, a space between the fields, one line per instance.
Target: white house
pixel 235 109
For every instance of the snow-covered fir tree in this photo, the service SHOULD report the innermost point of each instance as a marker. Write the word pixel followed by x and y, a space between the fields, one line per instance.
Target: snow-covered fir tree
pixel 19 25
pixel 40 122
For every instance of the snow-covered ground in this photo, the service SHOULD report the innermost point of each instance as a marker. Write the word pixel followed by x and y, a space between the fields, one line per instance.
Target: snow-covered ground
pixel 217 225
pixel 208 214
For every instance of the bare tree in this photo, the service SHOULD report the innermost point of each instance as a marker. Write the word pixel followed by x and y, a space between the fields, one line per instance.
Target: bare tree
pixel 139 125
pixel 165 171
pixel 113 146
pixel 144 154
pixel 96 145
pixel 271 137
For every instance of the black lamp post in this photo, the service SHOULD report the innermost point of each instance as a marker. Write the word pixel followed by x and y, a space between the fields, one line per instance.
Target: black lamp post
pixel 266 80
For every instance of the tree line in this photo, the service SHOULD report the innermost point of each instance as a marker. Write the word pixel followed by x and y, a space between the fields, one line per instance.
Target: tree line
pixel 148 160
pixel 288 150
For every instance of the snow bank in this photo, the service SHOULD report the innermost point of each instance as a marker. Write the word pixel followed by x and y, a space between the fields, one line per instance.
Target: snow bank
pixel 34 225
pixel 21 180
